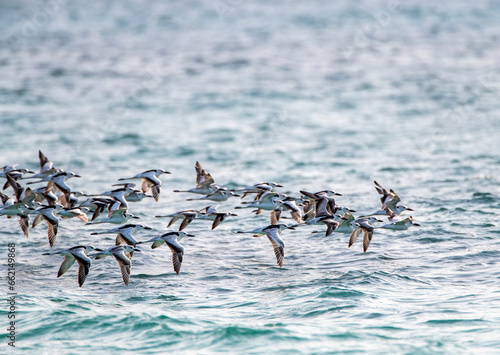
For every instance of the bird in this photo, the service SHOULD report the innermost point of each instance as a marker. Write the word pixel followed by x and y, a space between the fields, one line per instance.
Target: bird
pixel 24 195
pixel 11 208
pixel 345 224
pixel 396 223
pixel 78 212
pixel 219 195
pixel 389 200
pixel 150 181
pixel 122 254
pixel 80 254
pixel 332 222
pixel 99 204
pixel 46 167
pixel 187 217
pixel 47 213
pixel 287 204
pixel 272 232
pixel 125 233
pixel 211 213
pixel 319 203
pixel 259 188
pixel 205 183
pixel 363 225
pixel 132 195
pixel 23 199
pixel 269 201
pixel 172 240
pixel 119 194
pixel 15 174
pixel 118 216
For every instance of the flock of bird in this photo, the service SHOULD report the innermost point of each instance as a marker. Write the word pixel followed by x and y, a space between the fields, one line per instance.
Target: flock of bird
pixel 55 200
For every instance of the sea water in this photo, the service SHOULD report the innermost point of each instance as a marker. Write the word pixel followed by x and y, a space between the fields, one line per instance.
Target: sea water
pixel 313 95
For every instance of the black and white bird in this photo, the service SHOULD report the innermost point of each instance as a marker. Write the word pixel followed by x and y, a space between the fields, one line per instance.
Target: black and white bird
pixel 80 254
pixel 46 167
pixel 78 212
pixel 150 180
pixel 47 213
pixel 272 232
pixel 258 188
pixel 219 195
pixel 389 200
pixel 211 213
pixel 123 255
pixel 205 183
pixel 363 225
pixel 397 223
pixel 172 240
pixel 287 204
pixel 125 233
pixel 118 216
pixel 187 217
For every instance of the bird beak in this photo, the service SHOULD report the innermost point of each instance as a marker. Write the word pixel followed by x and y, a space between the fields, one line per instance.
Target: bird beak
pixel 410 209
pixel 167 172
pixel 235 195
pixel 190 235
pixel 378 220
pixel 148 228
pixel 97 249
pixel 234 215
pixel 337 194
pixel 135 217
pixel 351 210
pixel 137 250
pixel 416 224
pixel 29 171
pixel 279 185
pixel 77 176
pixel 292 228
pixel 345 219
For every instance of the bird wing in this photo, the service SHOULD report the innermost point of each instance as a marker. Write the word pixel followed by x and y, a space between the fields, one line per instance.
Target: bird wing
pixel 203 178
pixel 24 223
pixel 52 226
pixel 157 243
pixel 37 220
pixel 331 226
pixel 218 219
pixel 125 265
pixel 279 251
pixel 84 263
pixel 155 190
pixel 69 260
pixel 275 215
pixel 278 245
pixel 367 238
pixel 392 202
pixel 354 235
pixel 177 254
pixel 188 218
pixel 45 163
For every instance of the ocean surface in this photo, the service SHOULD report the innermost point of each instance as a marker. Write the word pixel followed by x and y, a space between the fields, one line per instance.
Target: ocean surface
pixel 314 95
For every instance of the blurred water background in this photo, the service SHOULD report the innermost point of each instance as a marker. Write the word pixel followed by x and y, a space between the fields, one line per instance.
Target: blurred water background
pixel 313 95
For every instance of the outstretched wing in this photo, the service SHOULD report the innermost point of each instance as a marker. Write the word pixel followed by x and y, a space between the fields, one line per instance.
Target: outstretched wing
pixel 354 235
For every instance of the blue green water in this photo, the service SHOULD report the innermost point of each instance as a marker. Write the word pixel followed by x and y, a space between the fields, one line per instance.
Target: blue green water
pixel 313 95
